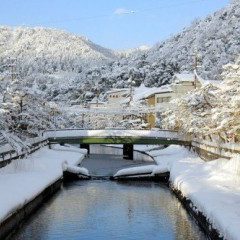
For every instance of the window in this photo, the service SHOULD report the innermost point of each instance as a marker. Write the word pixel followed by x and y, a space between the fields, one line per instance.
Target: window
pixel 167 99
pixel 163 99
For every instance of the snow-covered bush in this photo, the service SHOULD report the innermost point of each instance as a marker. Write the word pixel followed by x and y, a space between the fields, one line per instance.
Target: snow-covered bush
pixel 211 109
pixel 25 113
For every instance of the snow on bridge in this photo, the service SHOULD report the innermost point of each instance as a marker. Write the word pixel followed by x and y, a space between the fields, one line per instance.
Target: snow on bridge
pixel 116 136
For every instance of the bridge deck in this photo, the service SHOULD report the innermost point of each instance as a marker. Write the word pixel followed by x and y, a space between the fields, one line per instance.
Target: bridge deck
pixel 115 137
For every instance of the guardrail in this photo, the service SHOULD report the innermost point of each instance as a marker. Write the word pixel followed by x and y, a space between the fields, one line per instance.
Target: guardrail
pixel 110 133
pixel 31 146
pixel 219 149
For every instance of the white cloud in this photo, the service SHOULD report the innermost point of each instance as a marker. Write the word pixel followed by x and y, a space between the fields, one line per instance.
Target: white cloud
pixel 122 11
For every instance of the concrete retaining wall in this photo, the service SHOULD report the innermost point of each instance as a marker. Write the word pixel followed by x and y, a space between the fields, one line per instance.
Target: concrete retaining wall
pixel 16 219
pixel 202 221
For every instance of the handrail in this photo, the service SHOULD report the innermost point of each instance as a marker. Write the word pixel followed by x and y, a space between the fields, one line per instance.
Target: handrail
pixel 13 154
pixel 89 129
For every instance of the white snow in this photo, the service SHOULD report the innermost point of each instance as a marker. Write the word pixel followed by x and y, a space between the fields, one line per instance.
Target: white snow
pixel 135 170
pixel 23 179
pixel 112 133
pixel 184 76
pixel 213 187
pixel 77 170
pixel 143 92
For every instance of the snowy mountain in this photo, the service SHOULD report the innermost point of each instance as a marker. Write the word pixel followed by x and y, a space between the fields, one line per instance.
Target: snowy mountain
pixel 131 51
pixel 58 46
pixel 49 61
pixel 215 40
pixel 57 66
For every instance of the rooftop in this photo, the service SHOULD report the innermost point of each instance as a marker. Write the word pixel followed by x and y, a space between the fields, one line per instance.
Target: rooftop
pixel 118 90
pixel 143 92
pixel 184 77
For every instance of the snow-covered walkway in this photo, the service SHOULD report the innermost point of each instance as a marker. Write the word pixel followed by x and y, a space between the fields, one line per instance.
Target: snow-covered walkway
pixel 112 133
pixel 23 179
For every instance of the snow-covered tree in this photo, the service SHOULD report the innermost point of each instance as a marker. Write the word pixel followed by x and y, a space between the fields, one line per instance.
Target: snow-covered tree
pixel 210 110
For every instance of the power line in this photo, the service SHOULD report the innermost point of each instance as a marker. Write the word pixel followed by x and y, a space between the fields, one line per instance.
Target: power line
pixel 133 12
pixel 174 5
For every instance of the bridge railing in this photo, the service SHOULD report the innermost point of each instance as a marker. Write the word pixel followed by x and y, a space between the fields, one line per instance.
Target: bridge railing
pixel 163 133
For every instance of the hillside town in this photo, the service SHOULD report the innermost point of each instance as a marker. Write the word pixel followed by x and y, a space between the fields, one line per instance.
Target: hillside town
pixel 156 99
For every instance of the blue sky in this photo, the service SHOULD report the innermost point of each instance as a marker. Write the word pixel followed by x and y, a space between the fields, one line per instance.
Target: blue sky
pixel 116 24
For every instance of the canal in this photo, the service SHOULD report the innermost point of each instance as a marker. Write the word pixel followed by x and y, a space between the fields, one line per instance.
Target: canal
pixel 103 209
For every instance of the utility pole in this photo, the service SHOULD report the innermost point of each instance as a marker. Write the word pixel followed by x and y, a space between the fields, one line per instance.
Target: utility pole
pixel 97 95
pixel 83 121
pixel 1 44
pixel 131 90
pixel 195 67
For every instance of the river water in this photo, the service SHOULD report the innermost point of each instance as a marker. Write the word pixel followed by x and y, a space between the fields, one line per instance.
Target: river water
pixel 102 209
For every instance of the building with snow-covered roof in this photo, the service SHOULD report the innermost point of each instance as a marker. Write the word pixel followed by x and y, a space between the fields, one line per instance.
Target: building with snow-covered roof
pixel 185 82
pixel 158 97
pixel 148 95
pixel 116 97
pixel 183 77
pixel 182 83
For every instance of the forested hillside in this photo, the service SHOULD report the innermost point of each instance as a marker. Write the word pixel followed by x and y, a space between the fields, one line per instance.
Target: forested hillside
pixel 48 61
pixel 214 40
pixel 62 66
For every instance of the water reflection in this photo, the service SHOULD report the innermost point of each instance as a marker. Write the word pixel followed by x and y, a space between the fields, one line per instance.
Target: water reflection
pixel 103 209
pixel 117 150
pixel 110 210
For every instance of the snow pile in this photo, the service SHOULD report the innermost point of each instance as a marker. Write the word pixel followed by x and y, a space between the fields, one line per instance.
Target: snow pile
pixel 135 171
pixel 76 170
pixel 73 168
pixel 23 179
pixel 213 187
